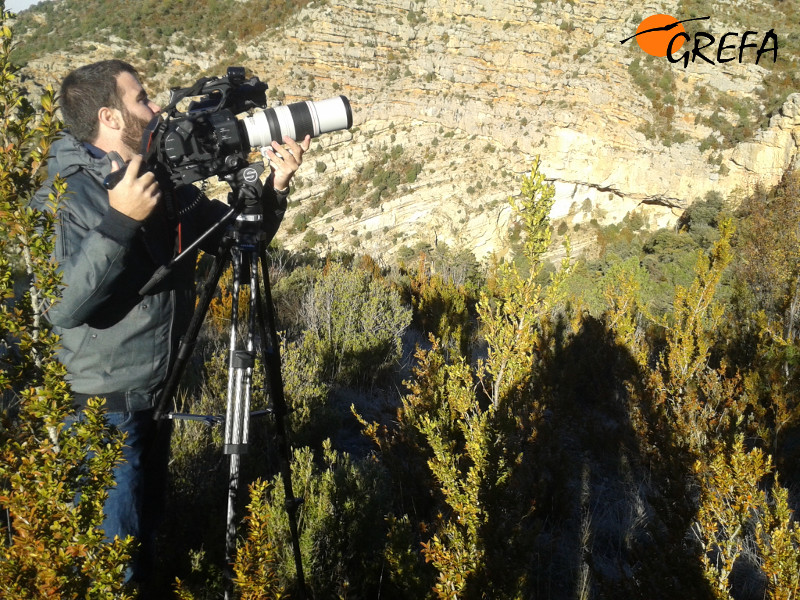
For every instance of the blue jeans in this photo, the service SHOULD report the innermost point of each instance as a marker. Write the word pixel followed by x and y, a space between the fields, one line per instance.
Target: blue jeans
pixel 135 504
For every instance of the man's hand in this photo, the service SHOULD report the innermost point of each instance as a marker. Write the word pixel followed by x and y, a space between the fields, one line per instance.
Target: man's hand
pixel 135 196
pixel 285 160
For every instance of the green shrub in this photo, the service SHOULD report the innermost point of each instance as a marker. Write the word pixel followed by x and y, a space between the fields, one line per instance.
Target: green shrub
pixel 342 533
pixel 356 323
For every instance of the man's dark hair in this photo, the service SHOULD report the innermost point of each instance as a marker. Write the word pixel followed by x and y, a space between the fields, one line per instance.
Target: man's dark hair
pixel 88 89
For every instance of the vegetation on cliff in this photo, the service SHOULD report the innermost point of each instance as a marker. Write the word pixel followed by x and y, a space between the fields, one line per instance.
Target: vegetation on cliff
pixel 64 25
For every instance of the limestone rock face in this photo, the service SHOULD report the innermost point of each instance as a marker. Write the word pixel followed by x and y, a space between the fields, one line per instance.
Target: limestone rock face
pixel 473 91
pixel 773 150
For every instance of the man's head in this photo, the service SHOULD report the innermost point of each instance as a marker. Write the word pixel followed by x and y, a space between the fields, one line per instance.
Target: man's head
pixel 104 104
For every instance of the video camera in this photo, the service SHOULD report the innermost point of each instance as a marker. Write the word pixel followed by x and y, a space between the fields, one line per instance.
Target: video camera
pixel 209 139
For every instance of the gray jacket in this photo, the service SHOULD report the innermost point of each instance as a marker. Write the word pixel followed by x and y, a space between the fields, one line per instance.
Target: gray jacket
pixel 115 342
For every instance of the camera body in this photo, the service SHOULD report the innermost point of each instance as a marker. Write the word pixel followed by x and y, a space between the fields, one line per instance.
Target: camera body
pixel 209 139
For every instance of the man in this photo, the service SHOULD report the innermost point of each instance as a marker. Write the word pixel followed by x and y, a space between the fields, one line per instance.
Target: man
pixel 116 343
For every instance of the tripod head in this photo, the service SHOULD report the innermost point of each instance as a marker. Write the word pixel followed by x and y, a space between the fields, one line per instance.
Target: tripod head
pixel 246 189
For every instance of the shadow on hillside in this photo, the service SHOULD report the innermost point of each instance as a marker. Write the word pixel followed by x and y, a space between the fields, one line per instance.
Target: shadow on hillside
pixel 613 505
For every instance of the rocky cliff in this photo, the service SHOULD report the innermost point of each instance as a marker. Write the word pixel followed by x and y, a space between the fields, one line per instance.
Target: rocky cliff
pixel 468 93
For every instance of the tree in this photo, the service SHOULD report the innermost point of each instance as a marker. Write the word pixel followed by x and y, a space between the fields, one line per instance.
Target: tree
pixel 471 424
pixel 53 476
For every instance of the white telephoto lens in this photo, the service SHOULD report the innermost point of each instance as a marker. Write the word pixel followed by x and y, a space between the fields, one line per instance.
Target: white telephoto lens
pixel 298 120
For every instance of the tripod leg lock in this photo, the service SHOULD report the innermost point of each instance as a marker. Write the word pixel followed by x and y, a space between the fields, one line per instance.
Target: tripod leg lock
pixel 235 449
pixel 243 359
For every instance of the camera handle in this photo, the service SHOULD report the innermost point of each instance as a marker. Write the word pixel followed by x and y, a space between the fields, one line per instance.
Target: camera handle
pixel 244 246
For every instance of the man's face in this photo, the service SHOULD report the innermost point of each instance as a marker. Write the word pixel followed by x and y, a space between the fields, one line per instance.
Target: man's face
pixel 132 131
pixel 137 110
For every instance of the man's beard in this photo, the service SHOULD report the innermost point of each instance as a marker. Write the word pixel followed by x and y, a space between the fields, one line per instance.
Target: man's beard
pixel 132 131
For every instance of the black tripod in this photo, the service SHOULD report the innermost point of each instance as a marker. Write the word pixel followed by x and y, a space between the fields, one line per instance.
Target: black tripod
pixel 244 245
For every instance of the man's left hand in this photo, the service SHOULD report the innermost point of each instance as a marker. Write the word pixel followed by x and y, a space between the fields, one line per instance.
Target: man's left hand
pixel 286 159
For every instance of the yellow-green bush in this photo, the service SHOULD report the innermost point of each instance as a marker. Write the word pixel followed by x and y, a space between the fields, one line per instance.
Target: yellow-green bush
pixel 53 477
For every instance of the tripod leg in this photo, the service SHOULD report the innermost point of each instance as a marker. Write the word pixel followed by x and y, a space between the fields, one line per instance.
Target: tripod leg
pixel 240 366
pixel 242 360
pixel 272 366
pixel 230 530
pixel 240 373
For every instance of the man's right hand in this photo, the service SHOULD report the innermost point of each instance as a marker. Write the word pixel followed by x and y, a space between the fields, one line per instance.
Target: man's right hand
pixel 135 196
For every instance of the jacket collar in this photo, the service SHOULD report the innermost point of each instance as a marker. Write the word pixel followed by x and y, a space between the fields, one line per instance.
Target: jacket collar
pixel 69 155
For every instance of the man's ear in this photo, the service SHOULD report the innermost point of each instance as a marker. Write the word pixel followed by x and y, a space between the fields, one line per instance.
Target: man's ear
pixel 110 117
